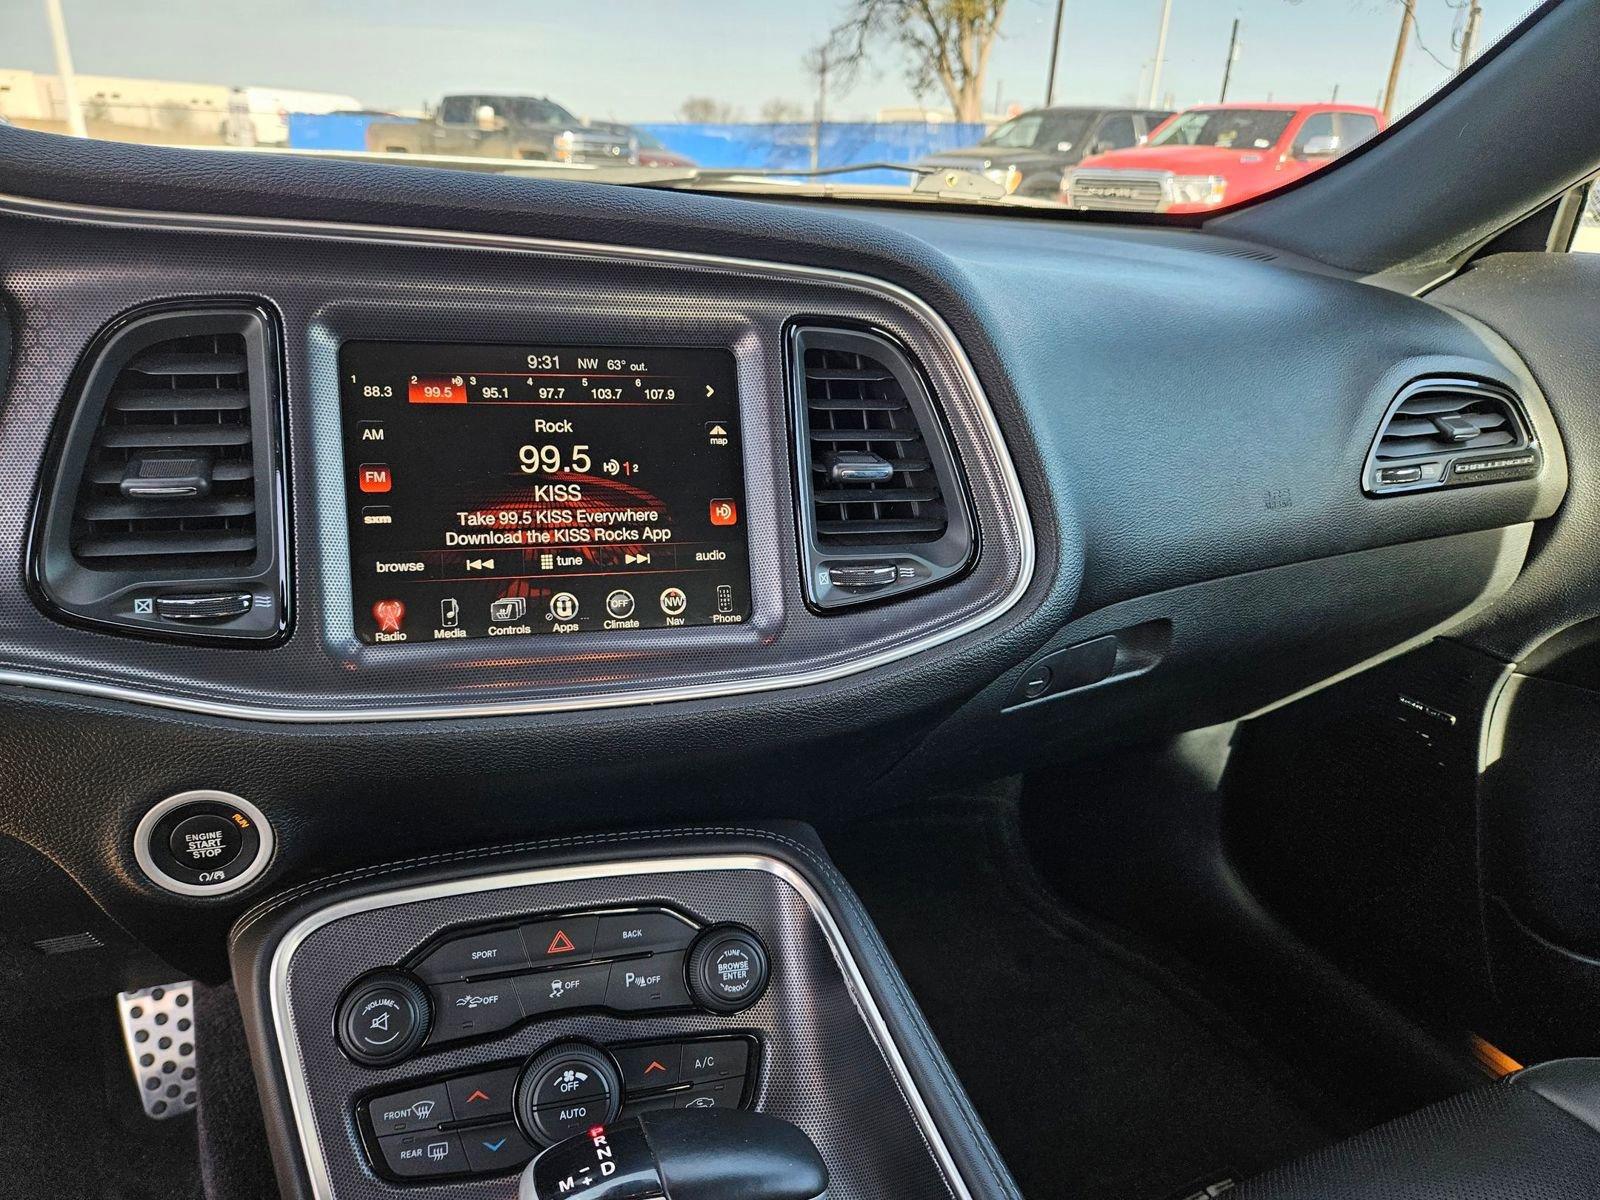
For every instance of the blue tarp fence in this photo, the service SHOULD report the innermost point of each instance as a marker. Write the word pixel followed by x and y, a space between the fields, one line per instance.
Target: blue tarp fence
pixel 751 146
pixel 788 146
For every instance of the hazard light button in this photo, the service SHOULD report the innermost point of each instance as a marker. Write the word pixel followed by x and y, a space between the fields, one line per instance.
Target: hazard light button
pixel 560 941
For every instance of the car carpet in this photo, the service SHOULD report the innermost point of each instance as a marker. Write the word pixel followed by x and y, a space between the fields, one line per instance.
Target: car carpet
pixel 1096 1062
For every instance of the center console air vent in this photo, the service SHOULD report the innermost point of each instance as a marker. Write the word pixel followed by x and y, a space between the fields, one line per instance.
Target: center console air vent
pixel 883 511
pixel 1451 433
pixel 165 512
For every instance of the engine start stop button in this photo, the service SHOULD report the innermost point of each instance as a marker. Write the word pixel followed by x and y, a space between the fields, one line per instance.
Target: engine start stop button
pixel 207 841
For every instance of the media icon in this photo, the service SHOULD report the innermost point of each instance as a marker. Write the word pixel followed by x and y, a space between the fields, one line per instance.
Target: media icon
pixel 508 608
pixel 449 613
pixel 620 603
pixel 563 606
pixel 674 602
pixel 388 614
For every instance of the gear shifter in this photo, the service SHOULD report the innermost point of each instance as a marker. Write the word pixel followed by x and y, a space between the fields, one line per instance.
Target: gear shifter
pixel 709 1154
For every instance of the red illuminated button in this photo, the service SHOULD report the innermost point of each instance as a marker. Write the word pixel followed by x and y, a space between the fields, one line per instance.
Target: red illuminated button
pixel 724 512
pixel 388 614
pixel 374 477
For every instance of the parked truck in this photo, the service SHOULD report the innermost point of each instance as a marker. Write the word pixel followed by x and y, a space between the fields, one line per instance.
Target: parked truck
pixel 532 128
pixel 1218 154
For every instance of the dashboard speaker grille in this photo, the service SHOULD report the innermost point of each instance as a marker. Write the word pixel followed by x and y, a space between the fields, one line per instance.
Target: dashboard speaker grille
pixel 872 478
pixel 170 478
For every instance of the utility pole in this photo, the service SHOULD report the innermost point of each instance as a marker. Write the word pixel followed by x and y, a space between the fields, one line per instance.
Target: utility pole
pixel 69 78
pixel 821 114
pixel 1161 51
pixel 1055 50
pixel 1334 99
pixel 1408 20
pixel 1227 67
pixel 1469 36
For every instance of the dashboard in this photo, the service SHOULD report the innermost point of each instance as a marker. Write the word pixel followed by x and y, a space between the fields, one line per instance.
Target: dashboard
pixel 668 505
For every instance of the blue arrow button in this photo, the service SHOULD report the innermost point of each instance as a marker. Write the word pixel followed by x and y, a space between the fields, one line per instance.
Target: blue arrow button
pixel 493 1146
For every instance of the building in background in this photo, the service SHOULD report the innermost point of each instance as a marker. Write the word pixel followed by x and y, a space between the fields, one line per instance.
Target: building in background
pixel 163 110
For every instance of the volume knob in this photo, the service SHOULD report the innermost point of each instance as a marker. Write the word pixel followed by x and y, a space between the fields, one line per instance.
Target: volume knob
pixel 383 1018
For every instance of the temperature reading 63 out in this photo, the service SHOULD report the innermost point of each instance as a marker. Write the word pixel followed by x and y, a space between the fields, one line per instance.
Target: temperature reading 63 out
pixel 550 460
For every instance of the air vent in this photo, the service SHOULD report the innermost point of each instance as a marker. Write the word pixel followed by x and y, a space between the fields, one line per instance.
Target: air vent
pixel 165 513
pixel 1451 432
pixel 884 511
pixel 171 482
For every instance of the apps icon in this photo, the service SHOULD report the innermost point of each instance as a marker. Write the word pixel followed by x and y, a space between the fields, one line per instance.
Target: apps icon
pixel 674 602
pixel 724 512
pixel 374 477
pixel 563 606
pixel 389 614
pixel 508 608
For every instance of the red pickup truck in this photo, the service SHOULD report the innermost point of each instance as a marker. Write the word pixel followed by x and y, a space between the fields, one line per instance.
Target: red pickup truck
pixel 1218 154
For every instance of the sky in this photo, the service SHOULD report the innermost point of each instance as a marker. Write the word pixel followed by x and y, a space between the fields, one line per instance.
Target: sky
pixel 638 60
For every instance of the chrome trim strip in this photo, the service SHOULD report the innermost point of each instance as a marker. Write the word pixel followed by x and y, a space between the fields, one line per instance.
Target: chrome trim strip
pixel 288 227
pixel 283 1015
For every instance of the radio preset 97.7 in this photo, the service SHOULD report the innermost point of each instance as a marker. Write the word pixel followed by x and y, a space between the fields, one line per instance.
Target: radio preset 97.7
pixel 501 490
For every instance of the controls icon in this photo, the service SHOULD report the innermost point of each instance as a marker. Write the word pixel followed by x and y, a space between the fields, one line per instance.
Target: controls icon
pixel 674 602
pixel 508 608
pixel 389 614
pixel 620 603
pixel 724 512
pixel 449 613
pixel 563 606
pixel 374 477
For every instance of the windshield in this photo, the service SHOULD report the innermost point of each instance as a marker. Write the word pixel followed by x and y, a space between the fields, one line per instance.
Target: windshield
pixel 901 101
pixel 1229 129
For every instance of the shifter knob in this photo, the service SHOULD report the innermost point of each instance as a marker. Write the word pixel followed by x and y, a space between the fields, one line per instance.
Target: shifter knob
pixel 690 1154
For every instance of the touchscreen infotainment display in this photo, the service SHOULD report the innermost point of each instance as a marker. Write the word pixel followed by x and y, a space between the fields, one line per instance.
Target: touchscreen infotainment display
pixel 508 490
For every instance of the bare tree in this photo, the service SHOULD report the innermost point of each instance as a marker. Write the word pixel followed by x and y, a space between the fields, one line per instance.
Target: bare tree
pixel 781 112
pixel 946 44
pixel 704 110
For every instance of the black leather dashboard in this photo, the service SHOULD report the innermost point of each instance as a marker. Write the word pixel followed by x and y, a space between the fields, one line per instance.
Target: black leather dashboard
pixel 1188 419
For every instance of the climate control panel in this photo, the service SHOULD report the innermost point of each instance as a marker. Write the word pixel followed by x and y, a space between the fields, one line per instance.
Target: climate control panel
pixel 483 981
pixel 495 1118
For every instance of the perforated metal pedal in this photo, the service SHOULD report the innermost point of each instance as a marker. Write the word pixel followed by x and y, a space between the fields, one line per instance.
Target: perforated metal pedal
pixel 158 1027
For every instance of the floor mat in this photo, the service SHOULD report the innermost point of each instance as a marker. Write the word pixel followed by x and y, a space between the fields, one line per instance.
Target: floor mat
pixel 1100 1069
pixel 73 1125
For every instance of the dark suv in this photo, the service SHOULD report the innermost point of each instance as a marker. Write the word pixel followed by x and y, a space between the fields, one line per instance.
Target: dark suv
pixel 1027 154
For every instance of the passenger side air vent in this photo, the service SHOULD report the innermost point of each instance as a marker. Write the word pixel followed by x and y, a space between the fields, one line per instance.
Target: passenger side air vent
pixel 1451 433
pixel 165 513
pixel 883 508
